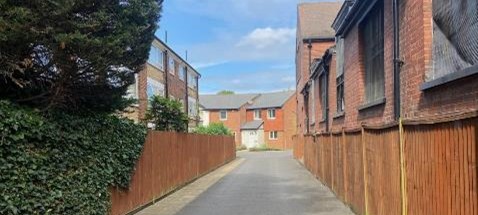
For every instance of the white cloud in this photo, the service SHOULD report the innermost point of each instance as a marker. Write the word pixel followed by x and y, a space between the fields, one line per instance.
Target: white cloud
pixel 288 79
pixel 201 65
pixel 264 37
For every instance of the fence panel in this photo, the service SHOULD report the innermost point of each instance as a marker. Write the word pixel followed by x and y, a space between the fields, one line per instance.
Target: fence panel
pixel 338 165
pixel 441 167
pixel 355 172
pixel 168 161
pixel 382 153
pixel 298 147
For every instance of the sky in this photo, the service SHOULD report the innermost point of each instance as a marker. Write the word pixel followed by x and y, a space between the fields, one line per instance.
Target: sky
pixel 240 45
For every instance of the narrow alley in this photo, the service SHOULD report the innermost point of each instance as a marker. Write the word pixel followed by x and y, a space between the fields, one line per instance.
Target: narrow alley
pixel 264 183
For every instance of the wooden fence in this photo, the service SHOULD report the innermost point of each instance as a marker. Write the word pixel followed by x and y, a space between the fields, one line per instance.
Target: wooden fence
pixel 409 168
pixel 170 160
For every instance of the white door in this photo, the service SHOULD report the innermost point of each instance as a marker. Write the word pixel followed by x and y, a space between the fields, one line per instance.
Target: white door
pixel 250 138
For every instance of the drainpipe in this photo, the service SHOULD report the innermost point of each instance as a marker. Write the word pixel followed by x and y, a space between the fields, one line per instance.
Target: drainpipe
pixel 306 105
pixel 186 96
pixel 397 63
pixel 197 98
pixel 310 54
pixel 166 73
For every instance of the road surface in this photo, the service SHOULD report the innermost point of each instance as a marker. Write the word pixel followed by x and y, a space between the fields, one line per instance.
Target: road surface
pixel 266 183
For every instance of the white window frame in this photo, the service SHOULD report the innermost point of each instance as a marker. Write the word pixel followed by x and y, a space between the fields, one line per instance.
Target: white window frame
pixel 156 87
pixel 193 108
pixel 269 115
pixel 257 116
pixel 220 115
pixel 159 57
pixel 171 65
pixel 273 135
pixel 182 73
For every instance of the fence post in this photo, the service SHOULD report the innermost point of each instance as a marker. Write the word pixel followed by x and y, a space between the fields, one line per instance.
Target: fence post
pixel 403 177
pixel 344 154
pixel 331 147
pixel 364 160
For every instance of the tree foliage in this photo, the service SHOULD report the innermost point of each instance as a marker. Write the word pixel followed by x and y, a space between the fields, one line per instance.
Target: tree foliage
pixel 73 54
pixel 167 115
pixel 213 129
pixel 62 163
pixel 226 92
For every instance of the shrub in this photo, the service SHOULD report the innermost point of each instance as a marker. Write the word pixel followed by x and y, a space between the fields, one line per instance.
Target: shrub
pixel 262 148
pixel 167 115
pixel 213 129
pixel 64 164
pixel 241 147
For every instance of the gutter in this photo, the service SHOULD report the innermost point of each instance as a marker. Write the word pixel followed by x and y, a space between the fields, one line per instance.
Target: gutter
pixel 318 39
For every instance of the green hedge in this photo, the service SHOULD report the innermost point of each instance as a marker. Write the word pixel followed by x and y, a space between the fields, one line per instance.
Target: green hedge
pixel 63 164
pixel 213 129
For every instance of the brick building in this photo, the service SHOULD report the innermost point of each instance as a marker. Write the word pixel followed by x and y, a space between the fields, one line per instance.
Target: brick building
pixel 255 119
pixel 394 59
pixel 227 109
pixel 167 74
pixel 313 39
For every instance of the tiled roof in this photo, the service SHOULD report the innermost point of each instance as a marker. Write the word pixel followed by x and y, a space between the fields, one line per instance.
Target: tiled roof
pixel 216 102
pixel 252 125
pixel 315 19
pixel 271 100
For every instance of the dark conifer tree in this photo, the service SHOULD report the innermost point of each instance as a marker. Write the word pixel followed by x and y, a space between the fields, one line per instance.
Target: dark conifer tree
pixel 73 54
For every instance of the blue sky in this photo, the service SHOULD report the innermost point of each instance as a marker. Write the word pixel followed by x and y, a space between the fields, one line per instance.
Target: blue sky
pixel 239 45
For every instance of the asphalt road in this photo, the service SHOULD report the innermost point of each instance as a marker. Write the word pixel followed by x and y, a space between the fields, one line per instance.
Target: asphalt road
pixel 266 183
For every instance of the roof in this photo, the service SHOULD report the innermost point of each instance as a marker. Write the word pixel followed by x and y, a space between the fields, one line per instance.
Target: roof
pixel 252 125
pixel 315 19
pixel 217 102
pixel 271 100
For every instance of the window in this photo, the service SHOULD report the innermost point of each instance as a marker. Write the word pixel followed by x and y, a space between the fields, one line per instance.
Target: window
pixel 273 135
pixel 257 114
pixel 133 89
pixel 156 57
pixel 193 107
pixel 372 37
pixel 455 28
pixel 192 81
pixel 323 94
pixel 312 102
pixel 271 113
pixel 182 73
pixel 183 104
pixel 154 88
pixel 340 94
pixel 172 65
pixel 223 115
pixel 340 75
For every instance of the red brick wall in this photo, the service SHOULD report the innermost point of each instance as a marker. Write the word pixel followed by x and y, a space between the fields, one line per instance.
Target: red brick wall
pixel 354 78
pixel 302 71
pixel 290 122
pixel 235 118
pixel 416 51
pixel 416 44
pixel 142 96
pixel 284 124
